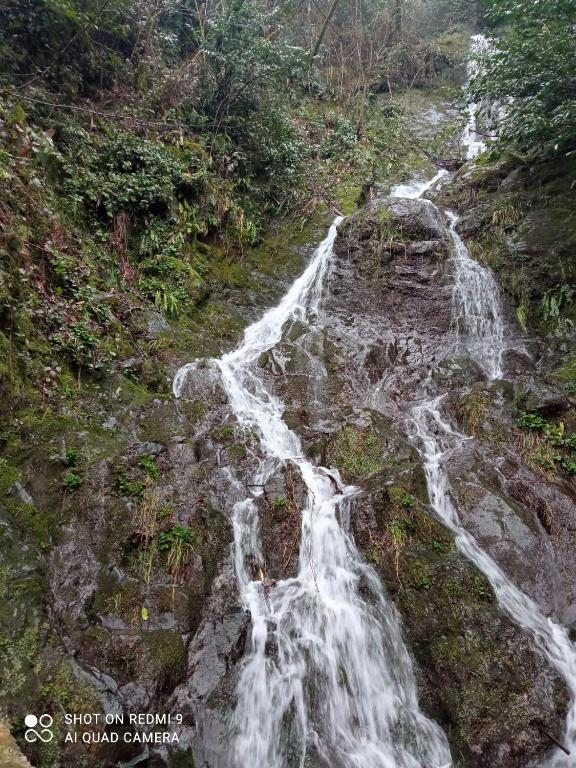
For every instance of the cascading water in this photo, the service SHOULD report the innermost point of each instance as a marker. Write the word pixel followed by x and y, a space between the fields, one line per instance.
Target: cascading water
pixel 476 310
pixel 417 188
pixel 437 440
pixel 327 668
pixel 471 138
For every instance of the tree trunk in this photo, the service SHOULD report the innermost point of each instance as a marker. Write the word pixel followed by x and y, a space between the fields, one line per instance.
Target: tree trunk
pixel 325 25
pixel 398 14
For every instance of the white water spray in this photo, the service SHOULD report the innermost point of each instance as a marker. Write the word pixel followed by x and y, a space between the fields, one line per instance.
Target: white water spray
pixel 476 309
pixel 417 189
pixel 478 322
pixel 471 137
pixel 327 668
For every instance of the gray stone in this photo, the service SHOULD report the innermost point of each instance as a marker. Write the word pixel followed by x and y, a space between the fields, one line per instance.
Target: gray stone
pixel 18 490
pixel 150 449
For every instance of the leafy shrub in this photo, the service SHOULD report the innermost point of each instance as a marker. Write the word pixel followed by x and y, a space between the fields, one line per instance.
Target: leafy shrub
pixel 341 140
pixel 148 464
pixel 75 45
pixel 178 544
pixel 72 481
pixel 81 343
pixel 179 533
pixel 71 457
pixel 531 421
pixel 129 174
pixel 531 70
pixel 126 486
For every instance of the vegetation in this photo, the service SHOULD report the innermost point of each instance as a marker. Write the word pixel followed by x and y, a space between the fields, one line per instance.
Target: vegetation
pixel 357 453
pixel 550 446
pixel 530 72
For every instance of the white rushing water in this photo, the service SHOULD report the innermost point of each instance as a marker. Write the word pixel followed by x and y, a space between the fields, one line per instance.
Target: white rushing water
pixel 476 308
pixel 471 137
pixel 327 668
pixel 478 322
pixel 416 189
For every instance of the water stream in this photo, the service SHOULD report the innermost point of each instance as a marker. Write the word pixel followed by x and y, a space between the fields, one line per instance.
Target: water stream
pixel 437 441
pixel 327 669
pixel 476 309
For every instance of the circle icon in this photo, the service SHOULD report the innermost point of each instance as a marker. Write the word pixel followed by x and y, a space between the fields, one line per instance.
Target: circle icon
pixel 44 722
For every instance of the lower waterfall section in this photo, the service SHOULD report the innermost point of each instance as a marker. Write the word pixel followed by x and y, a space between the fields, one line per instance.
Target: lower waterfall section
pixel 437 440
pixel 327 670
pixel 326 677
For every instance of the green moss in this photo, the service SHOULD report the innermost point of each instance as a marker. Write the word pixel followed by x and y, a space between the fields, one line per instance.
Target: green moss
pixel 347 196
pixel 356 452
pixel 566 373
pixel 471 410
pixel 132 393
pixel 62 691
pixel 9 474
pixel 17 656
pixel 166 649
pixel 118 600
pixel 237 452
pixel 181 760
pixel 225 433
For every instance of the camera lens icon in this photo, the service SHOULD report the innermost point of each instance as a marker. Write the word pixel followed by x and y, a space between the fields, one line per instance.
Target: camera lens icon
pixel 39 728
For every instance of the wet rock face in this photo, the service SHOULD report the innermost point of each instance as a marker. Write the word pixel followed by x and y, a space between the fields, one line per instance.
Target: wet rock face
pixel 521 511
pixel 384 340
pixel 417 219
pixel 479 675
pixel 206 697
pixel 389 294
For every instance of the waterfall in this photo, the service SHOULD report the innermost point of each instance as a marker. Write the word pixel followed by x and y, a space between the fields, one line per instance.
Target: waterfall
pixel 326 672
pixel 437 441
pixel 417 188
pixel 476 310
pixel 478 323
pixel 470 136
pixel 327 669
